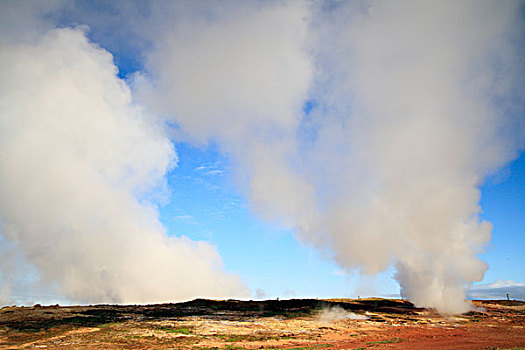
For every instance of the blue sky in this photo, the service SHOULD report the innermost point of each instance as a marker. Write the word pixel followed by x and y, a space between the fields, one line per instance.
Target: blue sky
pixel 503 204
pixel 205 204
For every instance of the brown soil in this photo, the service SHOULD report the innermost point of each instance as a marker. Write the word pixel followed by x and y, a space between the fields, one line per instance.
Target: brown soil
pixel 271 324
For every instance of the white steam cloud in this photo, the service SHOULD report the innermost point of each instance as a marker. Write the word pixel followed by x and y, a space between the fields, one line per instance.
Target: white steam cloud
pixel 409 113
pixel 336 313
pixel 241 79
pixel 415 129
pixel 409 105
pixel 78 163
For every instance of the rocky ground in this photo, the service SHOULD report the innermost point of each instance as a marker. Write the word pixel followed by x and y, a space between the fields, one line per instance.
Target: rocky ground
pixel 271 324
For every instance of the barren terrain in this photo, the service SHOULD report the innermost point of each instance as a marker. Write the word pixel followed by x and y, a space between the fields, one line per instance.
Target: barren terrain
pixel 271 324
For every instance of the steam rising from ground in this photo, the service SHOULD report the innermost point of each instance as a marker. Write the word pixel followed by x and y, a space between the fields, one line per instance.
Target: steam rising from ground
pixel 409 104
pixel 415 127
pixel 337 313
pixel 366 127
pixel 78 163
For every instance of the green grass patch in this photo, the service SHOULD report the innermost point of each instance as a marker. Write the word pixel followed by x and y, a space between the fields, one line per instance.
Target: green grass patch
pixel 285 337
pixel 231 347
pixel 388 341
pixel 133 337
pixel 185 331
pixel 110 324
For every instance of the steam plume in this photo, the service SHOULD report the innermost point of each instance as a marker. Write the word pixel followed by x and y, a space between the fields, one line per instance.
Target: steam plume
pixel 410 109
pixel 337 313
pixel 419 132
pixel 78 164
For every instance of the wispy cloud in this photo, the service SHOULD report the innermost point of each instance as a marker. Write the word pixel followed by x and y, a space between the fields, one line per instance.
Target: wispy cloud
pixel 339 272
pixel 185 218
pixel 213 172
pixel 498 290
pixel 209 169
